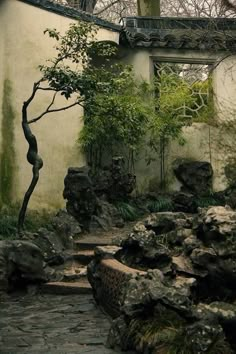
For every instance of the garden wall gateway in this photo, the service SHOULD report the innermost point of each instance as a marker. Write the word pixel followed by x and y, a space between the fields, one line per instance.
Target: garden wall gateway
pixel 197 47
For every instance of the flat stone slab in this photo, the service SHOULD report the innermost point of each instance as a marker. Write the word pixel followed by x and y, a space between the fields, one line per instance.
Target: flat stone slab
pixel 67 288
pixel 91 242
pixel 102 238
pixel 53 324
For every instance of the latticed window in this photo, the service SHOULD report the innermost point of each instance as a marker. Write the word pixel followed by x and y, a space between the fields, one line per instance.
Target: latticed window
pixel 183 89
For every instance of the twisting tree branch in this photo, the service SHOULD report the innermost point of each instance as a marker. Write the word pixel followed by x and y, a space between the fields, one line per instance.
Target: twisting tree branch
pixel 74 47
pixel 32 157
pixel 106 7
pixel 229 4
pixel 34 120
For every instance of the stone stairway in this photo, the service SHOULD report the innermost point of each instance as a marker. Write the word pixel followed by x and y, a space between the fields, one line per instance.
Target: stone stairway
pixel 75 274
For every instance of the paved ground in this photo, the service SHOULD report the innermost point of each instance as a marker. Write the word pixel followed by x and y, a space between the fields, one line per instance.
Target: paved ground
pixel 51 324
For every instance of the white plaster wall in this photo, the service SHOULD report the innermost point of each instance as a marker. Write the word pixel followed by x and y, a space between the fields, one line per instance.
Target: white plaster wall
pixel 2 44
pixel 203 142
pixel 215 144
pixel 142 59
pixel 23 46
pixel 225 90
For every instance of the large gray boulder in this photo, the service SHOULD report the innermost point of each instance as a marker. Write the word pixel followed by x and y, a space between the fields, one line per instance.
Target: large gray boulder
pixel 217 223
pixel 107 217
pixel 66 227
pixel 158 315
pixel 164 222
pixel 152 288
pixel 84 204
pixel 80 195
pixel 195 176
pixel 21 263
pixel 184 202
pixel 186 302
pixel 113 182
pixel 143 249
pixel 56 242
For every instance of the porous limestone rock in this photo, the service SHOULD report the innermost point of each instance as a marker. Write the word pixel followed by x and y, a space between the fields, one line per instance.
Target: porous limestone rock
pixel 91 211
pixel 21 263
pixel 218 223
pixel 184 202
pixel 56 241
pixel 166 221
pixel 66 226
pixel 80 195
pixel 143 249
pixel 192 303
pixel 195 176
pixel 113 182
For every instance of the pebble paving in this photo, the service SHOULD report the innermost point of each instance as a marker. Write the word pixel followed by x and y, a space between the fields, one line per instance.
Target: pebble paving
pixel 53 324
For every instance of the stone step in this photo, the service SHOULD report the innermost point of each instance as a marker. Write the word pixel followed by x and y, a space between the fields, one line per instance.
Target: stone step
pixel 84 257
pixel 67 288
pixel 75 274
pixel 91 243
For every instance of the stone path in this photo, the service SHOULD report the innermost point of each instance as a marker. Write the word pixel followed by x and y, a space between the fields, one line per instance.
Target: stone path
pixel 74 280
pixel 53 324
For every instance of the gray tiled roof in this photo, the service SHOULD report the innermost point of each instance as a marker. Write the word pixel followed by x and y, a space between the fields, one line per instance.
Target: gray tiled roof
pixel 72 13
pixel 180 33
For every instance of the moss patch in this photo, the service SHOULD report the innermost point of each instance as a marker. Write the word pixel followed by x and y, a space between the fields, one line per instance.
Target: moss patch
pixel 7 157
pixel 35 220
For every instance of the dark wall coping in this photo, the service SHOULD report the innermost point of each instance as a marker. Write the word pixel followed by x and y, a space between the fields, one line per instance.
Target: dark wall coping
pixel 196 23
pixel 209 34
pixel 72 13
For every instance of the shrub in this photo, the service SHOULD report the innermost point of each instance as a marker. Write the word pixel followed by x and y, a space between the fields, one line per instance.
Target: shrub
pixel 9 220
pixel 160 204
pixel 127 211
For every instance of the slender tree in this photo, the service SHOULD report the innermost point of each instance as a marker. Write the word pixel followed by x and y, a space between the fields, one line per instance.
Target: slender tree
pixel 229 4
pixel 59 77
pixel 148 7
pixel 114 10
pixel 84 5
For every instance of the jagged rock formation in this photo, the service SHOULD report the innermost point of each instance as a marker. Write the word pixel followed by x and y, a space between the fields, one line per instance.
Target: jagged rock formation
pixel 184 297
pixel 21 263
pixel 89 198
pixel 195 176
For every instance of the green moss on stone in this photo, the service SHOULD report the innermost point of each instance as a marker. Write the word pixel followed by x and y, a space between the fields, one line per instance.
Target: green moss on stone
pixel 7 156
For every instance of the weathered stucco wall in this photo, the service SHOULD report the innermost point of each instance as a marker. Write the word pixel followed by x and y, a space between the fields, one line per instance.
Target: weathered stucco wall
pixel 225 90
pixel 216 144
pixel 23 46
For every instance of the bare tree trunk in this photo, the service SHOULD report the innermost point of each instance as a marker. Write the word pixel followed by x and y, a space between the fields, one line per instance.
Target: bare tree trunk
pixel 33 158
pixel 229 4
pixel 90 5
pixel 148 7
pixel 84 5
